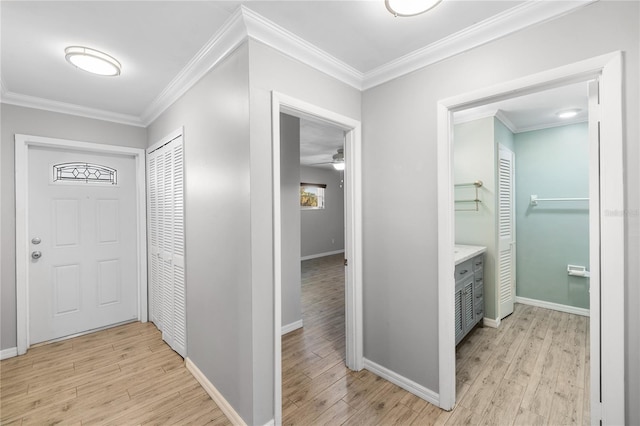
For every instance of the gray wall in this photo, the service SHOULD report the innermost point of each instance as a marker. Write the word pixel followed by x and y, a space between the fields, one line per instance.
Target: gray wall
pixel 270 70
pixel 215 116
pixel 552 163
pixel 323 230
pixel 290 205
pixel 19 120
pixel 400 246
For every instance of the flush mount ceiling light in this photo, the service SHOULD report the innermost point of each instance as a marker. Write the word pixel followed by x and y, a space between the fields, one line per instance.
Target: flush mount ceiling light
pixel 409 7
pixel 92 60
pixel 569 113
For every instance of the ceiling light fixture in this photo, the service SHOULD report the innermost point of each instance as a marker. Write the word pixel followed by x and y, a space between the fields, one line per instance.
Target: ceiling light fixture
pixel 409 7
pixel 92 60
pixel 570 113
pixel 338 166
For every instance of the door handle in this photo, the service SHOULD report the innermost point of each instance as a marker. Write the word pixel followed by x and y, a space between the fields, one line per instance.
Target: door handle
pixel 36 255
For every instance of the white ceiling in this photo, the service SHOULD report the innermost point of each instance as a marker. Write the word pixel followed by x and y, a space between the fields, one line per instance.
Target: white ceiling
pixel 160 42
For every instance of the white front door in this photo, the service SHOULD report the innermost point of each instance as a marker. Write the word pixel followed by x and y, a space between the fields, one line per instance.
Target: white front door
pixel 82 239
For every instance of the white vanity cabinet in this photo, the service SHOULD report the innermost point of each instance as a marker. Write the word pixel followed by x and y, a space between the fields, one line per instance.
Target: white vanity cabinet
pixel 469 291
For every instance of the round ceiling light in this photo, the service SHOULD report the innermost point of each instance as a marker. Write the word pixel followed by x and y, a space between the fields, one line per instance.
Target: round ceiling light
pixel 92 60
pixel 410 7
pixel 570 113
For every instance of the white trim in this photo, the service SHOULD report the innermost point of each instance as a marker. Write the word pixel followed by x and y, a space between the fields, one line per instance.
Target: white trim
pixel 315 256
pixel 554 306
pixel 406 384
pixel 231 35
pixel 498 26
pixel 244 23
pixel 271 422
pixel 353 235
pixel 490 322
pixel 217 397
pixel 22 144
pixel 261 29
pixel 291 327
pixel 607 228
pixel 8 353
pixel 17 99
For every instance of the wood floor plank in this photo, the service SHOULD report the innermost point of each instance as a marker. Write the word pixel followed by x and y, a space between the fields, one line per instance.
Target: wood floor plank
pixel 505 375
pixel 111 376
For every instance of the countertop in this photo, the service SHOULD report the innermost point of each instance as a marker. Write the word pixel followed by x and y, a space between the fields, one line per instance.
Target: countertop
pixel 463 252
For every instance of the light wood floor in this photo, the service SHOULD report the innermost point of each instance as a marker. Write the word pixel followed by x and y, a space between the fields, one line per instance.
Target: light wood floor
pixel 533 370
pixel 122 376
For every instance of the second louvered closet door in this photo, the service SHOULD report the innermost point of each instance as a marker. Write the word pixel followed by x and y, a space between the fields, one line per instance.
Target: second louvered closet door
pixel 167 284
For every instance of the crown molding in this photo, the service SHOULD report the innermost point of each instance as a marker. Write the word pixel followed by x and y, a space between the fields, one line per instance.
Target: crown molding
pixel 502 117
pixel 512 20
pixel 261 29
pixel 245 23
pixel 224 41
pixel 27 101
pixel 550 125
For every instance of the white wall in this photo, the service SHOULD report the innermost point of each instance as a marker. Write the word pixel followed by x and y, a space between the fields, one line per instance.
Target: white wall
pixel 19 120
pixel 290 208
pixel 215 116
pixel 401 239
pixel 322 231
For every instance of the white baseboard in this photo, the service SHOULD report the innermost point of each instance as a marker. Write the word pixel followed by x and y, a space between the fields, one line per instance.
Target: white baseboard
pixel 490 322
pixel 8 353
pixel 217 397
pixel 315 256
pixel 403 382
pixel 554 306
pixel 271 422
pixel 292 326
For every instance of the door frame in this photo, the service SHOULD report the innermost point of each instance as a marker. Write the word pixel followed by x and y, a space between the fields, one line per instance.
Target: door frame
pixel 22 145
pixel 353 232
pixel 607 305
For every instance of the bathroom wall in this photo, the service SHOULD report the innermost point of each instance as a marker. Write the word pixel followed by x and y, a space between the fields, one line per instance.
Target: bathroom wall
pixel 474 158
pixel 552 163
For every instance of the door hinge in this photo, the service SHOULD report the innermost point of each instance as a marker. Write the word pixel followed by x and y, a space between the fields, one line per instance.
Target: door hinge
pixel 346 262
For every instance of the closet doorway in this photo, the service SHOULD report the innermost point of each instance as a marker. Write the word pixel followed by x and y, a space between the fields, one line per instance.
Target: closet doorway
pixel 606 245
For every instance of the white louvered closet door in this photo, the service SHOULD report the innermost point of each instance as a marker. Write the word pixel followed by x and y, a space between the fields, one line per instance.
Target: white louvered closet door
pixel 506 231
pixel 166 240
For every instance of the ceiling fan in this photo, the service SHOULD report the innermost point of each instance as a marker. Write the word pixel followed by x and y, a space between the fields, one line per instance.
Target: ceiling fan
pixel 338 160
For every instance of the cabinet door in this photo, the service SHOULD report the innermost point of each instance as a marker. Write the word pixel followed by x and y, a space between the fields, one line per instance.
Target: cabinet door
pixel 467 305
pixel 459 319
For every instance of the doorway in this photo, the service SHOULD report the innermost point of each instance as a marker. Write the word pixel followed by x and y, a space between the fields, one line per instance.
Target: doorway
pixel 536 342
pixel 109 289
pixel 606 236
pixel 353 232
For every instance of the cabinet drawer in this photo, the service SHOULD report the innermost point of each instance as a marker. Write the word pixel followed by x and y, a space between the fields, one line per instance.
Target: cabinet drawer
pixel 478 310
pixel 464 270
pixel 478 292
pixel 478 262
pixel 478 279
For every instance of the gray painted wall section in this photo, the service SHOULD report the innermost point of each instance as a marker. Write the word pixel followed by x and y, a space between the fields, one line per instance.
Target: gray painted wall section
pixel 271 70
pixel 400 246
pixel 19 120
pixel 323 230
pixel 552 163
pixel 215 116
pixel 474 158
pixel 290 204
